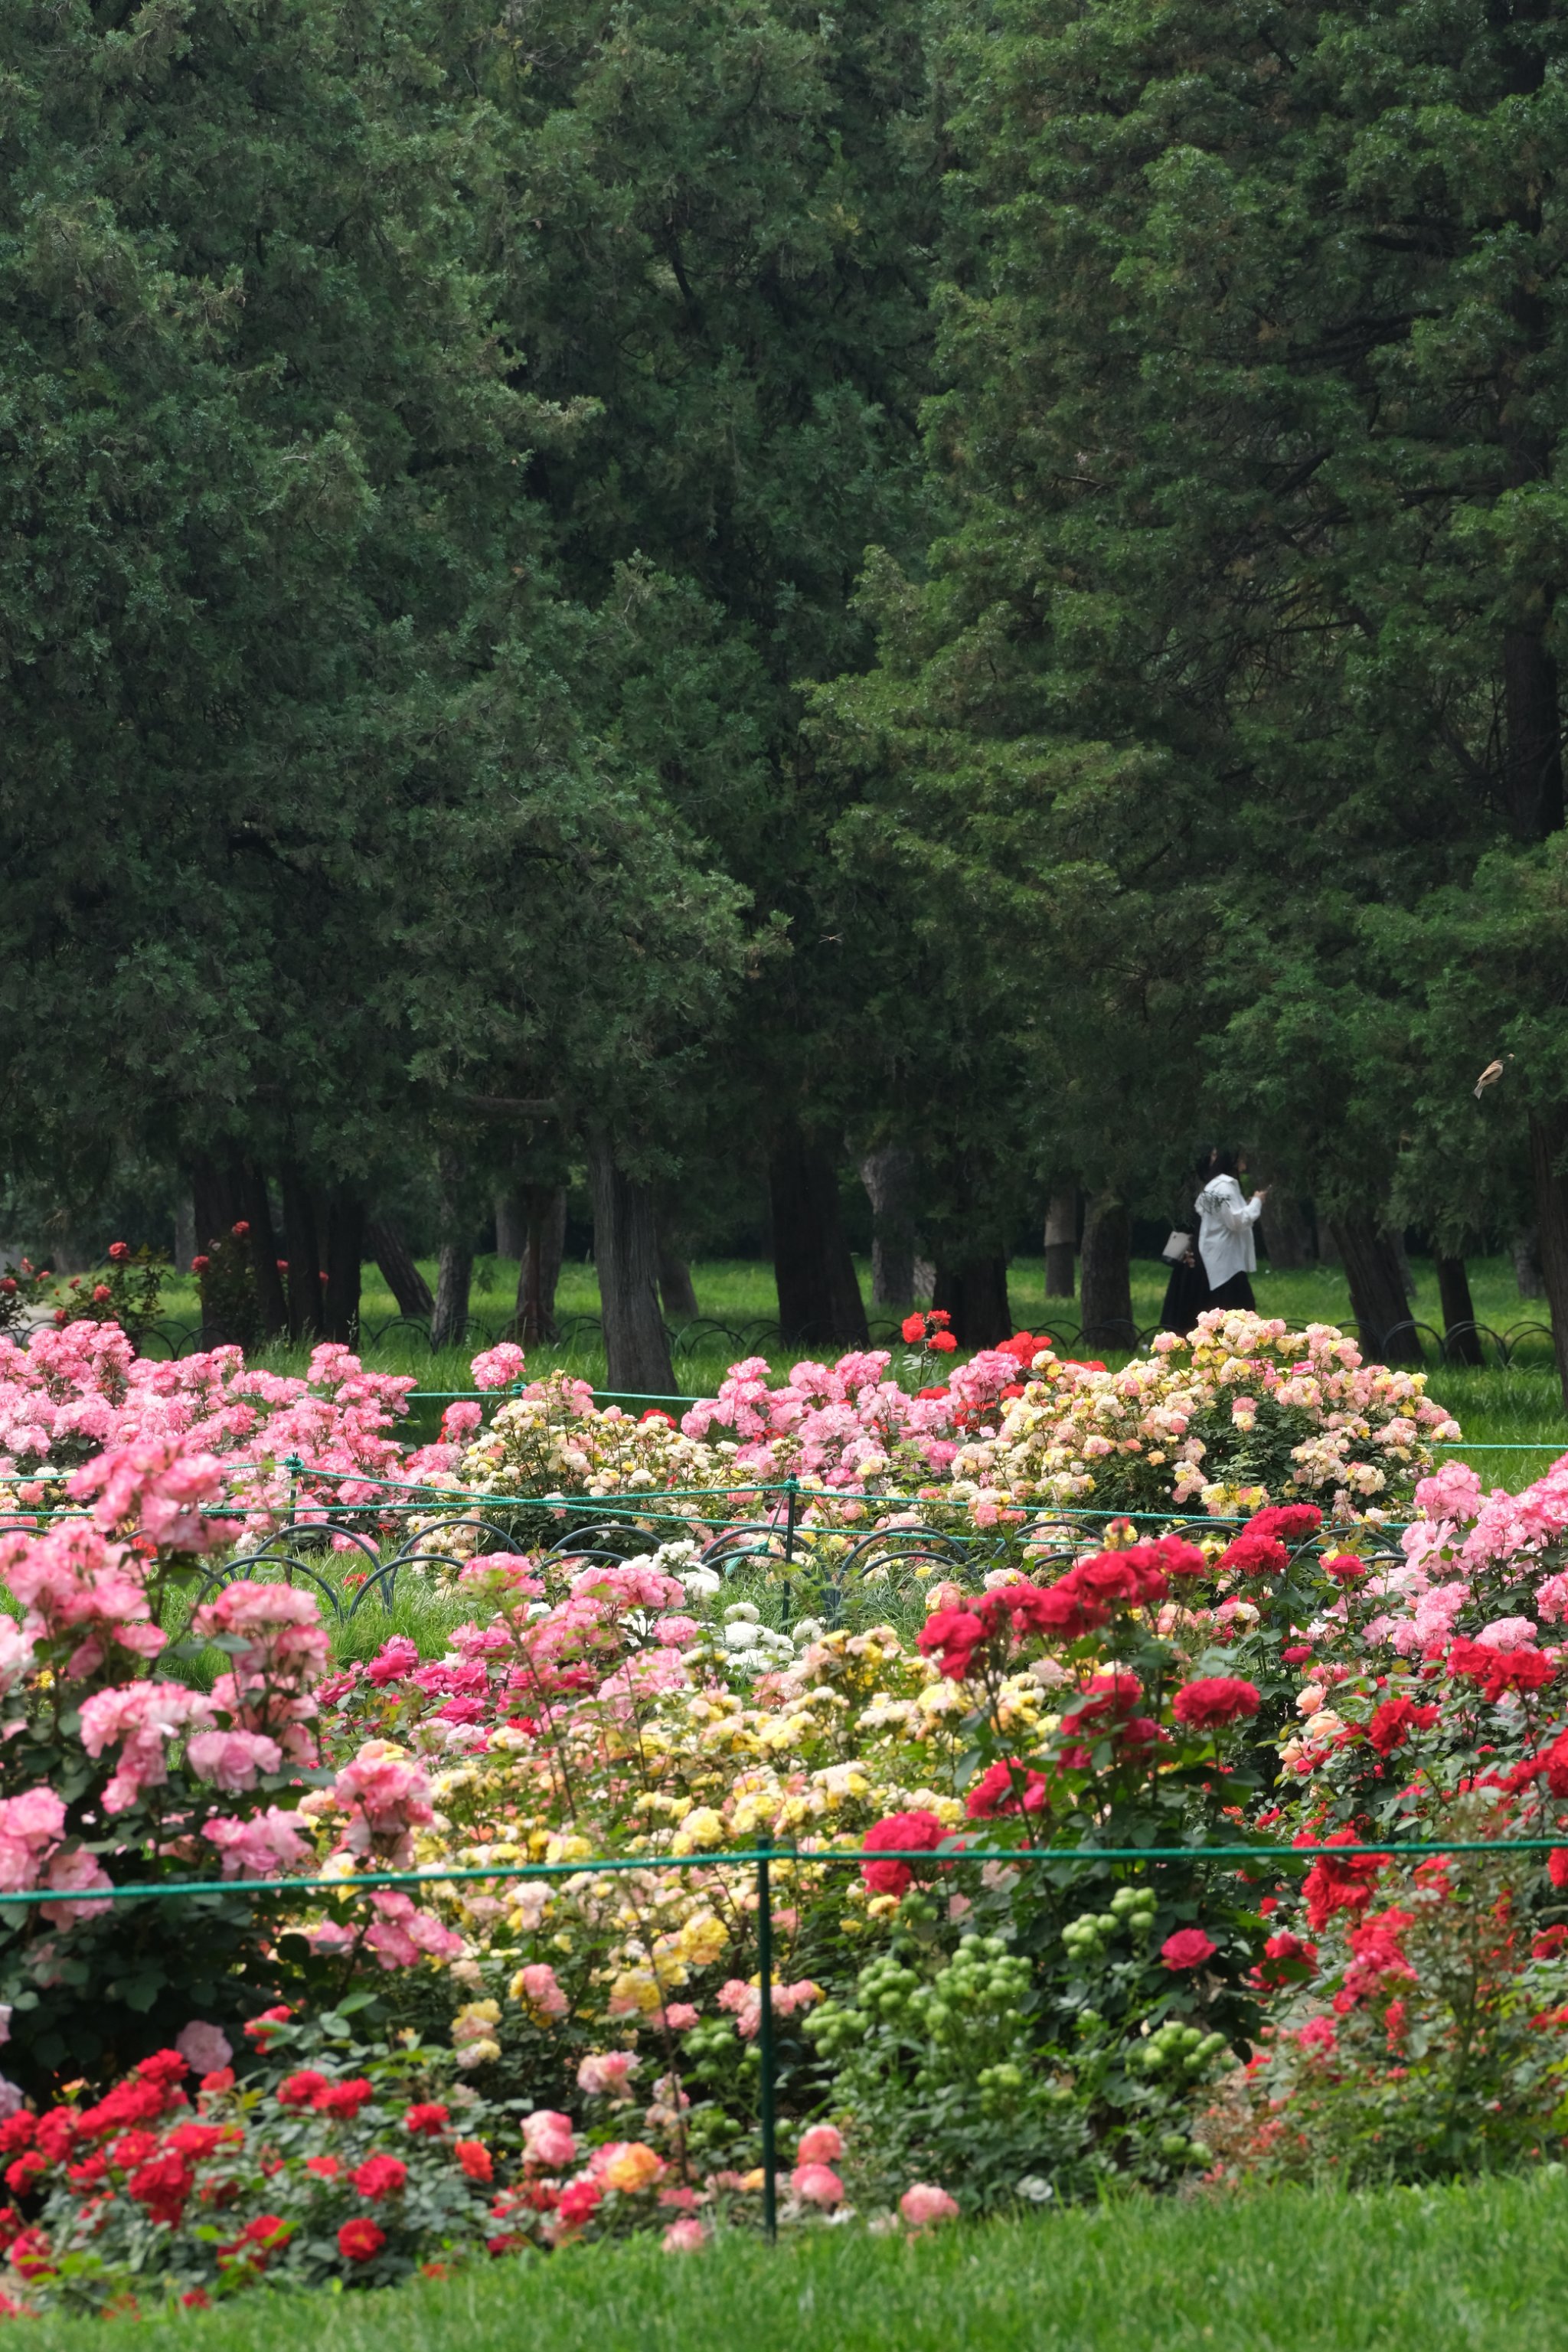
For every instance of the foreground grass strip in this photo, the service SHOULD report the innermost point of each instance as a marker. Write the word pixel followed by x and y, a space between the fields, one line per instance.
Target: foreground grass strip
pixel 1287 2271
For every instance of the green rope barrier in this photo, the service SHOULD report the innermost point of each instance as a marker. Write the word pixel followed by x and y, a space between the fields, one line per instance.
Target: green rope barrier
pixel 801 1857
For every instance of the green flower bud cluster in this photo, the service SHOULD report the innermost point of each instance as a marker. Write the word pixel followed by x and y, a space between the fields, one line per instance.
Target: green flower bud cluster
pixel 1179 2047
pixel 981 1980
pixel 1133 1908
pixel 981 1985
pixel 999 2087
pixel 709 2050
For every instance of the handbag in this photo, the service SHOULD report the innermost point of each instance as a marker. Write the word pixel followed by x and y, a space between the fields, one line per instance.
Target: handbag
pixel 1177 1248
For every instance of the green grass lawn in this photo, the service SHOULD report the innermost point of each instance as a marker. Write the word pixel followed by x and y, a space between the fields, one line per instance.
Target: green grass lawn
pixel 1483 2267
pixel 1520 1407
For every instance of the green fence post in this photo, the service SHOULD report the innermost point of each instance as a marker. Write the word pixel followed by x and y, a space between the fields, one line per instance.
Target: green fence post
pixel 792 1504
pixel 766 2038
pixel 292 1464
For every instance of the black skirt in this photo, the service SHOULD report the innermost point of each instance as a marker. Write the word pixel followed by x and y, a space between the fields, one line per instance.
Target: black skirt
pixel 1188 1295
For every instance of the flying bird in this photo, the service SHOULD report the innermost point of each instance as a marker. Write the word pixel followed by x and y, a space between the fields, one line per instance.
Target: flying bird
pixel 1491 1075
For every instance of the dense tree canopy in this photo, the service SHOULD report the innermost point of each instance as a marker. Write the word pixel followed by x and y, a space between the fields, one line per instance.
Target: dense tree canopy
pixel 678 588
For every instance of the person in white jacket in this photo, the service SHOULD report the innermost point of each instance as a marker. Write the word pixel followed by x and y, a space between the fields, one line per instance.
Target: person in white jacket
pixel 1227 1223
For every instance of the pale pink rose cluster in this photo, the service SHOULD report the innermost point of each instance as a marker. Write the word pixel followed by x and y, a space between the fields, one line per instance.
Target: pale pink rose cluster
pixel 745 2001
pixel 33 1854
pixel 848 1423
pixel 81 1392
pixel 401 1935
pixel 385 1798
pixel 84 1598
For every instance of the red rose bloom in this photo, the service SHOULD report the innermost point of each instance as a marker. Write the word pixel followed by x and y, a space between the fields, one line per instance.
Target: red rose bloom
pixel 475 2158
pixel 1281 1952
pixel 58 2132
pixel 260 2029
pixel 951 1636
pixel 579 2200
pixel 1285 1522
pixel 380 2175
pixel 134 2101
pixel 1335 1885
pixel 343 2098
pixel 914 1329
pixel 162 2185
pixel 1499 1670
pixel 1005 1789
pixel 1392 1723
pixel 909 1832
pixel 1253 1555
pixel 164 2066
pixel 430 2119
pixel 300 2090
pixel 1189 1948
pixel 1215 1699
pixel 359 2240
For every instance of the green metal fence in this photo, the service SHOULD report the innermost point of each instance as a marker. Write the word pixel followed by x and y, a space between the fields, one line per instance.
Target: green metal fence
pixel 764 1858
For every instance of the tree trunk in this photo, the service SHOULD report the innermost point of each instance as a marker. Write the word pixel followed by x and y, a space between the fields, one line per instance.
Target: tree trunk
pixel 398 1271
pixel 185 1231
pixel 264 1251
pixel 675 1287
pixel 345 1257
pixel 626 1256
pixel 889 1178
pixel 1463 1340
pixel 1548 1139
pixel 455 1260
pixel 543 1208
pixel 302 1249
pixel 1406 1271
pixel 819 1297
pixel 1527 1263
pixel 453 1281
pixel 217 1199
pixel 975 1295
pixel 538 1268
pixel 1377 1292
pixel 1106 1302
pixel 1285 1230
pixel 1061 1243
pixel 512 1227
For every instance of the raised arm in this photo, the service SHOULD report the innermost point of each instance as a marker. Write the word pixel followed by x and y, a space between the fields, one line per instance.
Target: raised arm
pixel 1236 1214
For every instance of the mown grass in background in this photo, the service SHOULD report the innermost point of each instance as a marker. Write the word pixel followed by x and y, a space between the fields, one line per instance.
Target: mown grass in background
pixel 1480 2268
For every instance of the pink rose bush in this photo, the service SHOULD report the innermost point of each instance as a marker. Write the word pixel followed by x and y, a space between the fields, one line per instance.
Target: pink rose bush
pixel 114 1772
pixel 141 1432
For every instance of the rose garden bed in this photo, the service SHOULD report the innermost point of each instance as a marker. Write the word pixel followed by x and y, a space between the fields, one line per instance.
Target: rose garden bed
pixel 916 1634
